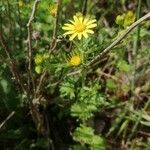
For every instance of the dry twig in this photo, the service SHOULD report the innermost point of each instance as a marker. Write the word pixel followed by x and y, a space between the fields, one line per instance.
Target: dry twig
pixel 29 40
pixel 10 115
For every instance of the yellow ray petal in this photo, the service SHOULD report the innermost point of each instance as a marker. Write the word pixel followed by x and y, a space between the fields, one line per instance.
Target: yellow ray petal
pixel 85 35
pixel 72 22
pixel 69 32
pixel 79 36
pixel 72 36
pixel 91 25
pixel 89 31
pixel 68 25
pixel 85 20
pixel 76 20
pixel 67 28
pixel 81 19
pixel 91 21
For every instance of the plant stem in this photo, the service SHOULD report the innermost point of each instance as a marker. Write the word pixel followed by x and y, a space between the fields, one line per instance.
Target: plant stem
pixel 135 53
pixel 29 39
pixel 136 44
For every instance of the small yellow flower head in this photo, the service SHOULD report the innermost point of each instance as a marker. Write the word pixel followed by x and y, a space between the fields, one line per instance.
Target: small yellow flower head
pixel 129 19
pixel 53 9
pixel 20 3
pixel 120 19
pixel 126 19
pixel 79 26
pixel 74 60
pixel 38 59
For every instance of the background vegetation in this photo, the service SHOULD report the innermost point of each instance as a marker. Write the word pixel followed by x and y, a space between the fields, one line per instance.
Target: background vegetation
pixel 102 103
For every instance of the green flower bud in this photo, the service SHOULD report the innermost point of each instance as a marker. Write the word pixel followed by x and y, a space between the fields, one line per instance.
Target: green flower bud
pixel 120 19
pixel 38 69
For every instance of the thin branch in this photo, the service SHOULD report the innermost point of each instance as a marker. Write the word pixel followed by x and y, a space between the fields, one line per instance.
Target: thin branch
pixel 99 72
pixel 56 19
pixel 11 63
pixel 29 40
pixel 33 12
pixel 20 24
pixel 55 29
pixel 40 83
pixel 10 115
pixel 117 41
pixel 144 133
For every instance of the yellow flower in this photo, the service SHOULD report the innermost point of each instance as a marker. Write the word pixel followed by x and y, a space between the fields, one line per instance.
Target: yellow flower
pixel 74 60
pixel 38 59
pixel 53 9
pixel 126 19
pixel 129 19
pixel 79 26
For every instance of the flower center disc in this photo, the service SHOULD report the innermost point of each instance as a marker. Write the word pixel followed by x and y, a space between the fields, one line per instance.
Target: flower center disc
pixel 80 27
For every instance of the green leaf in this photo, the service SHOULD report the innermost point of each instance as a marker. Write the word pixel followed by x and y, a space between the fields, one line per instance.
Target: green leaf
pixel 85 135
pixel 4 85
pixel 123 126
pixel 89 101
pixel 125 87
pixel 146 123
pixel 82 111
pixel 123 66
pixel 67 89
pixel 146 117
pixel 111 84
pixel 38 69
